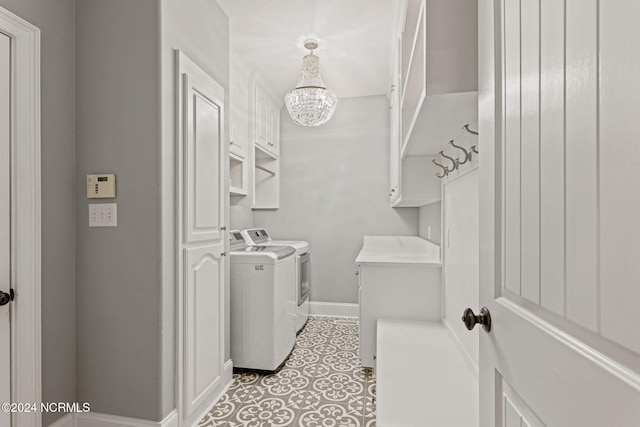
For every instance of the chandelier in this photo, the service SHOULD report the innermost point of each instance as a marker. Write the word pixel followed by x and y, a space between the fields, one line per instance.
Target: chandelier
pixel 310 103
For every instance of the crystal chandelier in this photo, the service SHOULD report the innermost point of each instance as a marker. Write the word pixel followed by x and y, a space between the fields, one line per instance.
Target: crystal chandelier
pixel 310 103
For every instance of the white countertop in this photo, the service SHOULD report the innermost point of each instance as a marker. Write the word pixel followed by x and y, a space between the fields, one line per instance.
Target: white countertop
pixel 398 250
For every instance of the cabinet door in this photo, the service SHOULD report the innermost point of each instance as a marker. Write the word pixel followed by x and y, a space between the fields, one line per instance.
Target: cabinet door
pixel 261 118
pixel 274 125
pixel 203 321
pixel 203 153
pixel 202 166
pixel 394 147
pixel 238 95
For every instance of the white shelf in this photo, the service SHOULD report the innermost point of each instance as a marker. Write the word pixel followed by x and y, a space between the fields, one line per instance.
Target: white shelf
pixel 266 180
pixel 266 169
pixel 237 175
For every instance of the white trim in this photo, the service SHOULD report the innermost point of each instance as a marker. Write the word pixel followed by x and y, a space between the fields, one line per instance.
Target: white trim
pixel 68 420
pixel 93 419
pixel 25 195
pixel 604 362
pixel 339 309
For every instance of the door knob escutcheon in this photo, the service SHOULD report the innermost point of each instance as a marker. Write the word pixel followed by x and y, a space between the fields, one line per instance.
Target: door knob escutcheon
pixel 470 319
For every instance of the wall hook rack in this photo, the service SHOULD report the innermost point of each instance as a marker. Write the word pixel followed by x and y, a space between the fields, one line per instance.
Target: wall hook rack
pixel 466 127
pixel 452 160
pixel 445 171
pixel 467 154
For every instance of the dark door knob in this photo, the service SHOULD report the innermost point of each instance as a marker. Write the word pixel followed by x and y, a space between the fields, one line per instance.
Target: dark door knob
pixel 470 319
pixel 6 298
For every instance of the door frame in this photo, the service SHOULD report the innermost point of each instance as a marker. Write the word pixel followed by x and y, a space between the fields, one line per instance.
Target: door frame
pixel 26 375
pixel 489 108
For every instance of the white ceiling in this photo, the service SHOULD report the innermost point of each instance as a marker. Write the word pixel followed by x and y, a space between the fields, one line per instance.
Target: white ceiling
pixel 354 37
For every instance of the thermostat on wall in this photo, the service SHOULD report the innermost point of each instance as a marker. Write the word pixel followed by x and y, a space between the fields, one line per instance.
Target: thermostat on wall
pixel 101 186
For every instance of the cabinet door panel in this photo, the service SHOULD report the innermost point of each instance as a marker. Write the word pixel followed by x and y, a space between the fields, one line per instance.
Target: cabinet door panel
pixel 238 123
pixel 274 129
pixel 261 118
pixel 203 279
pixel 203 174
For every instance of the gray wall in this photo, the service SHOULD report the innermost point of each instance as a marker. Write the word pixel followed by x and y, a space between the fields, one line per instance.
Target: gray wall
pixel 55 18
pixel 430 216
pixel 334 188
pixel 200 29
pixel 241 217
pixel 118 286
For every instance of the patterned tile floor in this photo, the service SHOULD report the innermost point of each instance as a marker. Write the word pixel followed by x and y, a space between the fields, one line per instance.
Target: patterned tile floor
pixel 321 385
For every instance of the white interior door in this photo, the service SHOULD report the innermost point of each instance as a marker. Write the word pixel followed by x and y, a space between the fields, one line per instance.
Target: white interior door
pixel 560 235
pixel 5 223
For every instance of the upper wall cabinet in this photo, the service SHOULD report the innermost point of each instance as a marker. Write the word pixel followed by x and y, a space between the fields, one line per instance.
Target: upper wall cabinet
pixel 274 125
pixel 266 120
pixel 239 108
pixel 437 72
pixel 433 91
pixel 238 127
pixel 266 148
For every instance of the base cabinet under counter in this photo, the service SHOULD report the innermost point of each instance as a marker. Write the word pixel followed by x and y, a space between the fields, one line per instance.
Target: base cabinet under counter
pixel 397 289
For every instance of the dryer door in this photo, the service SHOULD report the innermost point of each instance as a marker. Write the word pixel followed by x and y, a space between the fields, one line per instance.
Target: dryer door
pixel 304 277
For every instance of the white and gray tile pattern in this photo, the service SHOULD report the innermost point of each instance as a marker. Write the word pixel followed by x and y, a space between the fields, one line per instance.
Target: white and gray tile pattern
pixel 322 384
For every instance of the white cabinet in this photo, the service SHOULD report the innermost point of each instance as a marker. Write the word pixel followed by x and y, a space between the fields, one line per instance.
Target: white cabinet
pixel 239 108
pixel 433 93
pixel 412 180
pixel 238 126
pixel 266 189
pixel 274 129
pixel 266 120
pixel 261 117
pixel 200 247
pixel 398 278
pixel 266 149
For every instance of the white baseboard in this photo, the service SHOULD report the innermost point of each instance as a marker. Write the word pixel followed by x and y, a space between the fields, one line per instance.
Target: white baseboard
pixel 92 419
pixel 68 420
pixel 338 309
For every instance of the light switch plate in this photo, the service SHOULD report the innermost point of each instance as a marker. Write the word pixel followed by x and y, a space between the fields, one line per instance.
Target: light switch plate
pixel 103 215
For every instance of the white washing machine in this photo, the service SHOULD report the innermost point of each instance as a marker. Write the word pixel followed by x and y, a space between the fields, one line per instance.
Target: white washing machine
pixel 263 307
pixel 259 236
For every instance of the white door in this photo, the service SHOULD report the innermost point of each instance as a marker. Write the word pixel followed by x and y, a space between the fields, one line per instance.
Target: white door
pixel 202 183
pixel 5 255
pixel 559 212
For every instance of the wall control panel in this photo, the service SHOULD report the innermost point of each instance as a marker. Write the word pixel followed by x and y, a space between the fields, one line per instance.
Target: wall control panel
pixel 101 186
